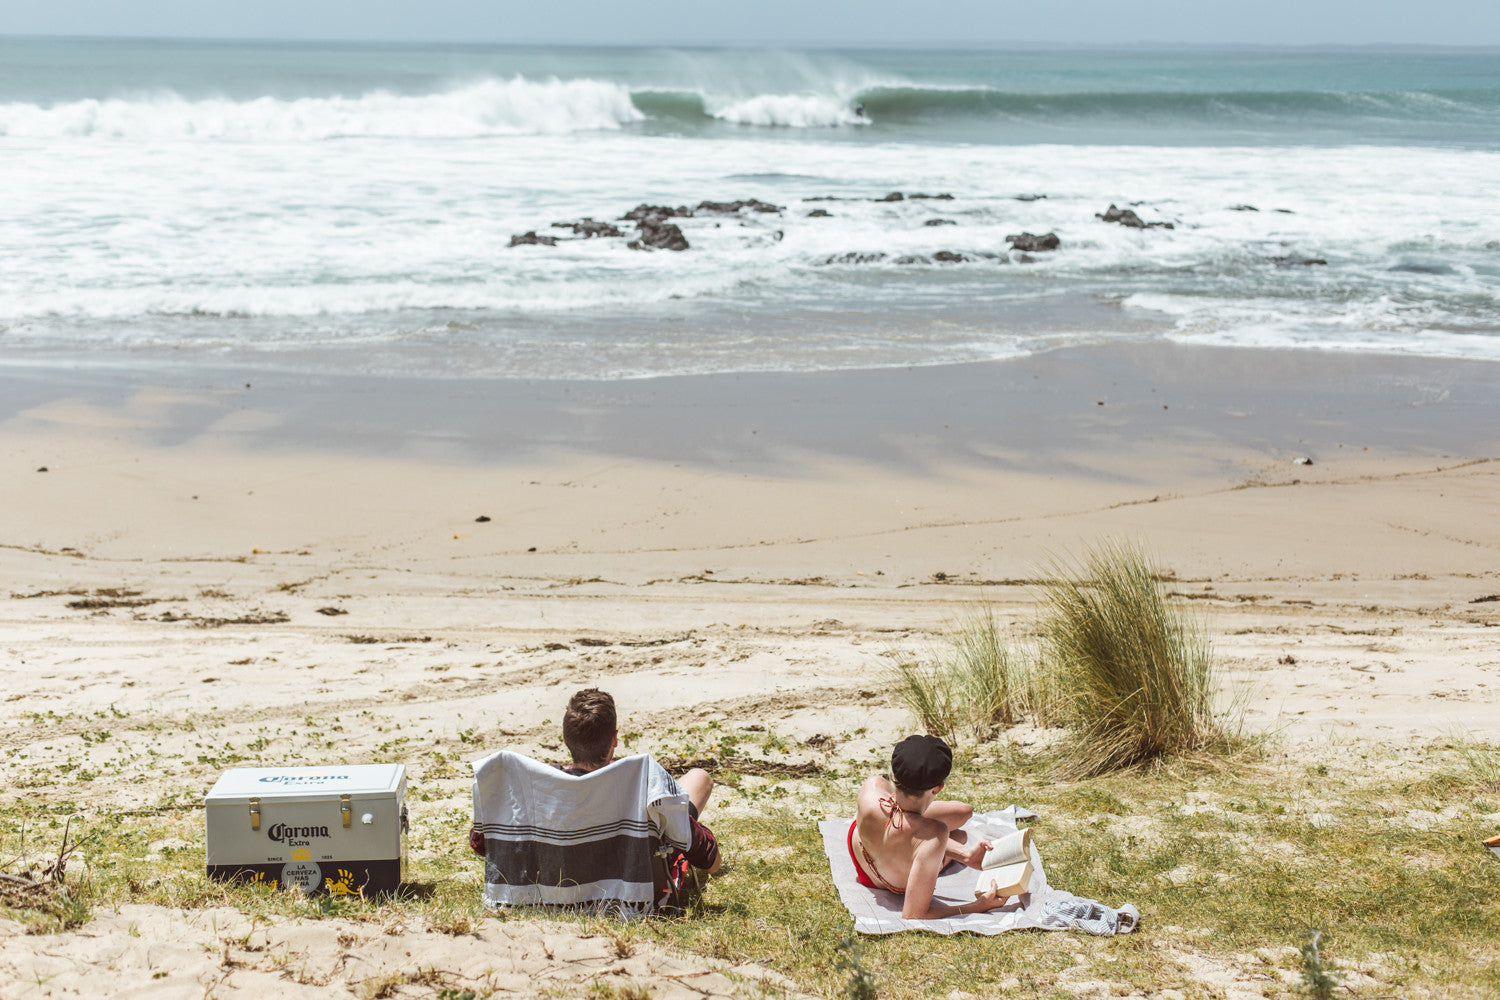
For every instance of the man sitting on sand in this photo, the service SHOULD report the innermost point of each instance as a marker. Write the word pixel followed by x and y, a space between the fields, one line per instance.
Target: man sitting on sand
pixel 902 835
pixel 591 733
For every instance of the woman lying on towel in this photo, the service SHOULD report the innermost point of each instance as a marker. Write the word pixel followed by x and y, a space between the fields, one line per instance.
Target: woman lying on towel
pixel 903 835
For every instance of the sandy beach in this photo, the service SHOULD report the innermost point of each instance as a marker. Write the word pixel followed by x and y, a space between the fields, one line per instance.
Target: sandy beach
pixel 214 568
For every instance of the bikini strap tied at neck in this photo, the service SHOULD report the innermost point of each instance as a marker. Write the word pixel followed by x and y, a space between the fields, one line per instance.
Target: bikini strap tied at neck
pixel 892 812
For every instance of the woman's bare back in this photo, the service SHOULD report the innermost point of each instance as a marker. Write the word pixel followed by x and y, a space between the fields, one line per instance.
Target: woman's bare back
pixel 888 836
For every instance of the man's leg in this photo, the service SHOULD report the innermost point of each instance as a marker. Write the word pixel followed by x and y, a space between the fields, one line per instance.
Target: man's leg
pixel 699 785
pixel 704 851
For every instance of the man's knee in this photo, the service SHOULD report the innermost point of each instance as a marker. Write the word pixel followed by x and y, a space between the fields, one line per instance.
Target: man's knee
pixel 698 784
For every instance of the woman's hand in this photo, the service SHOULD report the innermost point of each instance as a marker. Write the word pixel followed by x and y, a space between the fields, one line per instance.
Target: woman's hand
pixel 988 901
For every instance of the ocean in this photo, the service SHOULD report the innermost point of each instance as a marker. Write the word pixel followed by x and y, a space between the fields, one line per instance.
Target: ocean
pixel 307 207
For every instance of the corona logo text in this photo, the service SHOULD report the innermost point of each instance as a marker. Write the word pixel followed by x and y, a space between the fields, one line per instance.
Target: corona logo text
pixel 282 833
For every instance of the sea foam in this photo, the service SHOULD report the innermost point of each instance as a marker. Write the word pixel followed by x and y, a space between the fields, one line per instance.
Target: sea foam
pixel 789 111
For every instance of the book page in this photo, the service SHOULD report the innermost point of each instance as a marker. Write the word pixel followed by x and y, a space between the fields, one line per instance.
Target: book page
pixel 1009 850
pixel 1009 880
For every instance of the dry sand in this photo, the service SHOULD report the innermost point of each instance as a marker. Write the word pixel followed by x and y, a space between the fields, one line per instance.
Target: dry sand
pixel 150 951
pixel 196 552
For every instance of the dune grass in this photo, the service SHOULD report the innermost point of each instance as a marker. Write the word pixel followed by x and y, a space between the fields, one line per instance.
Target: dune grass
pixel 978 685
pixel 1134 677
pixel 1124 670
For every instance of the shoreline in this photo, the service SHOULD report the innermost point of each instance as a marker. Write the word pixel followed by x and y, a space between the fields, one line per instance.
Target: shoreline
pixel 1038 410
pixel 977 472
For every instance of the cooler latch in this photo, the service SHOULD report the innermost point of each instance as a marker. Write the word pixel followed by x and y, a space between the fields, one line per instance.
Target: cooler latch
pixel 255 814
pixel 346 810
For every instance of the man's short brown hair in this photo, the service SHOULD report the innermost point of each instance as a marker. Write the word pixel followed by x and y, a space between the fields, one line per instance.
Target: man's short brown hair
pixel 589 726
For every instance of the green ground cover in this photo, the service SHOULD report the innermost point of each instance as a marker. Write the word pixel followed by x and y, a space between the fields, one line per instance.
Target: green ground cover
pixel 1232 863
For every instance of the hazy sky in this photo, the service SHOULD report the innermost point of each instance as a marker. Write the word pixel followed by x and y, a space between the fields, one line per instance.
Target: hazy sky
pixel 910 23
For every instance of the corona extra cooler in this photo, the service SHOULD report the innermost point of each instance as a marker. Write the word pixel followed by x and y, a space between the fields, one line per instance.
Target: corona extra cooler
pixel 340 830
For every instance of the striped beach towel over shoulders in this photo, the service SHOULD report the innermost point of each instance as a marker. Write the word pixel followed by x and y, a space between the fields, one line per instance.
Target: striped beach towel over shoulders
pixel 555 839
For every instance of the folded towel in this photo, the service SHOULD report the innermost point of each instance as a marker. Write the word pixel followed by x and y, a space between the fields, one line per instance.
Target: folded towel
pixel 555 839
pixel 877 911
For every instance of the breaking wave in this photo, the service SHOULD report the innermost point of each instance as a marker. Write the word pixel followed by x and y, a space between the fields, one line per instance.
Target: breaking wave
pixel 522 106
pixel 517 106
pixel 907 103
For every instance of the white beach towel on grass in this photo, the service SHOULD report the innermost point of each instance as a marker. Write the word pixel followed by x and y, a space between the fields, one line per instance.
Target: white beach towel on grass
pixel 551 838
pixel 878 911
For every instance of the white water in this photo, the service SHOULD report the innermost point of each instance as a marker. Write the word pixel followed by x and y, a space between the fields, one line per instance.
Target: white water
pixel 272 226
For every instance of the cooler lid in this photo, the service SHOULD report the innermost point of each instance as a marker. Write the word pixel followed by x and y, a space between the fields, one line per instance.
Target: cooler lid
pixel 302 784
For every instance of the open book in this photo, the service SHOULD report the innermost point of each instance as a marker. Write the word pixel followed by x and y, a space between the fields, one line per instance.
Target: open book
pixel 1493 844
pixel 1006 867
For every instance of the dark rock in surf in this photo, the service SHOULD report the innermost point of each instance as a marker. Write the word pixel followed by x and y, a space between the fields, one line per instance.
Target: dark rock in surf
pixel 854 257
pixel 1029 197
pixel 658 234
pixel 1411 267
pixel 589 228
pixel 940 222
pixel 926 197
pixel 820 213
pixel 1298 261
pixel 530 238
pixel 1243 208
pixel 948 257
pixel 909 259
pixel 893 196
pixel 1127 217
pixel 1031 243
pixel 733 207
pixel 1124 216
pixel 657 212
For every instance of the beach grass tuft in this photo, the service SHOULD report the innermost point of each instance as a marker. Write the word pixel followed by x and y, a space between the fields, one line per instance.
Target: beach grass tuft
pixel 979 685
pixel 1133 677
pixel 1319 978
pixel 1480 767
pixel 1125 671
pixel 861 984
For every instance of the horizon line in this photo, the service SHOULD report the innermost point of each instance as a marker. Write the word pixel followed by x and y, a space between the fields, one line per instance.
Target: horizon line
pixel 761 45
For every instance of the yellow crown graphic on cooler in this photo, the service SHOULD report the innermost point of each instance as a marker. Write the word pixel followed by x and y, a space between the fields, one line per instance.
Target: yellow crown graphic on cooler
pixel 302 855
